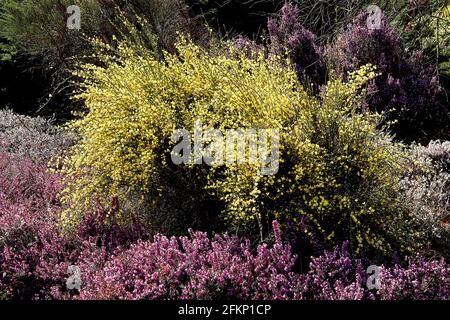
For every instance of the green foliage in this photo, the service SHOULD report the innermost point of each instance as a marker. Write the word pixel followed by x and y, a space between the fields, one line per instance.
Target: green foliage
pixel 7 51
pixel 46 49
pixel 425 24
pixel 39 30
pixel 40 27
pixel 440 42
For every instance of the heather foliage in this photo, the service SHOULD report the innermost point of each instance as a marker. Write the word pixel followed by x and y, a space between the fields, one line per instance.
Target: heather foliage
pixel 420 280
pixel 335 276
pixel 31 138
pixel 288 35
pixel 426 192
pixel 30 247
pixel 407 89
pixel 34 253
pixel 196 268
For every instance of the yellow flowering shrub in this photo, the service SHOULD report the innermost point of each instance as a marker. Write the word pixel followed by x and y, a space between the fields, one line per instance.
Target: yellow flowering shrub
pixel 336 171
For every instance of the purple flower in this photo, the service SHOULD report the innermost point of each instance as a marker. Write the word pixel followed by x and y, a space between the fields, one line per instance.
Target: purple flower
pixel 407 88
pixel 287 35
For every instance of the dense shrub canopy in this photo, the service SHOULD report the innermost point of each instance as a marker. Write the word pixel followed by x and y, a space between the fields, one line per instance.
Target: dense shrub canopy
pixel 337 170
